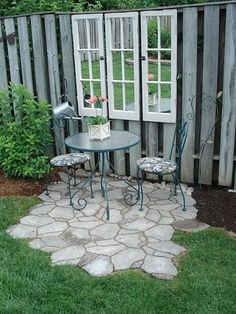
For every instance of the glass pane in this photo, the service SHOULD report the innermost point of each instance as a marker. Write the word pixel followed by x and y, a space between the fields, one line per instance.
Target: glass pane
pixel 84 64
pixel 118 96
pixel 116 60
pixel 152 66
pixel 129 95
pixel 93 33
pixel 129 65
pixel 165 103
pixel 153 97
pixel 82 33
pixel 115 33
pixel 165 71
pixel 165 22
pixel 166 56
pixel 96 69
pixel 127 32
pixel 152 32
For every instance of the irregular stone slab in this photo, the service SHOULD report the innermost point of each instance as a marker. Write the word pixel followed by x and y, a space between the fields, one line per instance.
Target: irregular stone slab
pixel 51 234
pixel 167 246
pixel 23 232
pixel 135 240
pixel 42 209
pixel 44 197
pixel 55 241
pixel 167 207
pixel 55 196
pixel 113 204
pixel 36 220
pixel 165 213
pixel 100 266
pixel 106 231
pixel 166 220
pixel 126 258
pixel 135 213
pixel 190 225
pixel 106 250
pixel 89 218
pixel 127 231
pixel 160 232
pixel 86 224
pixel 87 258
pixel 148 250
pixel 189 200
pixel 91 209
pixel 153 215
pixel 163 254
pixel 53 227
pixel 63 202
pixel 68 253
pixel 116 194
pixel 140 224
pixel 50 249
pixel 107 242
pixel 37 244
pixel 67 262
pixel 96 200
pixel 159 265
pixel 62 212
pixel 159 194
pixel 118 184
pixel 76 236
pixel 57 187
pixel 115 216
pixel 190 213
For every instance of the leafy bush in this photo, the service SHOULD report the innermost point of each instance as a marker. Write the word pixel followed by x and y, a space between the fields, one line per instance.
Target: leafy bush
pixel 165 39
pixel 24 135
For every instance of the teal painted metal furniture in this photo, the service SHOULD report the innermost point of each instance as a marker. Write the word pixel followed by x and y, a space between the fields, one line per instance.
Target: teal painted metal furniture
pixel 119 140
pixel 160 166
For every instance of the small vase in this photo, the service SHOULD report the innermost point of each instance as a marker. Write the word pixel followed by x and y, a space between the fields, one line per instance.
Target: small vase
pixel 99 131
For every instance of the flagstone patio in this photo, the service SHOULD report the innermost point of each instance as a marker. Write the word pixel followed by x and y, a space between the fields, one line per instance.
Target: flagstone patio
pixel 130 239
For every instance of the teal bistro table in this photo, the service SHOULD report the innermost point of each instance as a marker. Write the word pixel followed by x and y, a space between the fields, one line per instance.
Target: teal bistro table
pixel 119 140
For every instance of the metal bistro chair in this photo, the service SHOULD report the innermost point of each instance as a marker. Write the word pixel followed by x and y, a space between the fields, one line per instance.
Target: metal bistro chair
pixel 160 166
pixel 70 161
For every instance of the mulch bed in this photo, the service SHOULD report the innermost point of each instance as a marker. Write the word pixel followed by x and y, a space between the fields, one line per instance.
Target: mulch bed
pixel 216 206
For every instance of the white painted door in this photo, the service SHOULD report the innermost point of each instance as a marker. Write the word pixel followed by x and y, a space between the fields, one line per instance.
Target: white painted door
pixel 89 56
pixel 122 53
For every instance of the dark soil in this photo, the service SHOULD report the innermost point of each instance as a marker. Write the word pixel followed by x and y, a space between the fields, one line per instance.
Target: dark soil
pixel 216 206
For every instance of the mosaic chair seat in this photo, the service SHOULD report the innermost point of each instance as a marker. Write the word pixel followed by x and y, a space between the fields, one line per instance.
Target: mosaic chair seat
pixel 64 121
pixel 160 166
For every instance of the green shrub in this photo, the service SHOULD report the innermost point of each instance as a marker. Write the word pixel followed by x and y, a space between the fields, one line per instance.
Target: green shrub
pixel 23 135
pixel 165 40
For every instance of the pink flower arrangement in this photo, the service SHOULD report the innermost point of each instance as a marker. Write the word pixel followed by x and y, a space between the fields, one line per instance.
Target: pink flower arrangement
pixel 96 102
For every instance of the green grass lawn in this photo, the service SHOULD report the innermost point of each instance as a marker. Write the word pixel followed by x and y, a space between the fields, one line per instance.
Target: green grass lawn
pixel 206 282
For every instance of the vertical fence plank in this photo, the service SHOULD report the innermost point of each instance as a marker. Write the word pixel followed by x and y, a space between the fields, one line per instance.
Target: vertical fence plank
pixel 52 57
pixel 119 156
pixel 25 53
pixel 189 88
pixel 39 57
pixel 229 96
pixel 169 131
pixel 67 57
pixel 3 68
pixel 12 52
pixel 209 87
pixel 135 152
pixel 53 73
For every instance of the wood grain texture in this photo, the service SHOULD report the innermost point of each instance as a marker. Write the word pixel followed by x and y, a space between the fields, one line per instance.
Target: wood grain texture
pixel 135 152
pixel 119 156
pixel 3 68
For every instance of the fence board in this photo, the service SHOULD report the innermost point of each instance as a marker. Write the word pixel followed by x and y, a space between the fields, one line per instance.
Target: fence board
pixel 189 88
pixel 53 73
pixel 25 53
pixel 3 68
pixel 135 152
pixel 209 87
pixel 12 52
pixel 229 96
pixel 39 53
pixel 169 131
pixel 119 156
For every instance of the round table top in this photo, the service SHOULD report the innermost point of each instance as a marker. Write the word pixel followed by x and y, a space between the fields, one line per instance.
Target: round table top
pixel 118 140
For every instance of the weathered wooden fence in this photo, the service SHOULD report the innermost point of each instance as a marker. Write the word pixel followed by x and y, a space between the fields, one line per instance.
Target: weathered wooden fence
pixel 37 50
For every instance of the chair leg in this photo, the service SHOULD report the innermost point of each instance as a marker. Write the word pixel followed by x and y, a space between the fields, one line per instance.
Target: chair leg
pixel 140 187
pixel 175 182
pixel 69 187
pixel 181 190
pixel 91 179
pixel 47 181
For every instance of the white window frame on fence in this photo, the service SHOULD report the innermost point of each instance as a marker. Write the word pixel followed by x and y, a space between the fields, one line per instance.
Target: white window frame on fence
pixel 86 111
pixel 159 116
pixel 123 114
